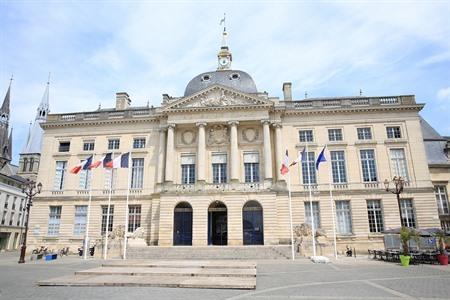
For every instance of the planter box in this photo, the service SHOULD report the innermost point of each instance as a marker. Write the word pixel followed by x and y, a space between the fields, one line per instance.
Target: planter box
pixel 443 259
pixel 405 260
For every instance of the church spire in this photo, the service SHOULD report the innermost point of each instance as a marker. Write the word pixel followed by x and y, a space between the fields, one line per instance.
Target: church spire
pixel 4 110
pixel 224 56
pixel 5 135
pixel 34 141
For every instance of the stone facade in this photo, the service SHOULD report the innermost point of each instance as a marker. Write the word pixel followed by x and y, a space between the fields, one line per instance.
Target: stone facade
pixel 236 141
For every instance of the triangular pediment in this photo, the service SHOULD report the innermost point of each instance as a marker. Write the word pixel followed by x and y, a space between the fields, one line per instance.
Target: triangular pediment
pixel 218 96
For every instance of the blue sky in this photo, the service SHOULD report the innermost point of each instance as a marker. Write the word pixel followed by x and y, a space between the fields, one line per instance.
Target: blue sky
pixel 333 48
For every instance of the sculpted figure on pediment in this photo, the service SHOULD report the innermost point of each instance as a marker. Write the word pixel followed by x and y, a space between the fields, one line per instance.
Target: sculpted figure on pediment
pixel 218 135
pixel 217 99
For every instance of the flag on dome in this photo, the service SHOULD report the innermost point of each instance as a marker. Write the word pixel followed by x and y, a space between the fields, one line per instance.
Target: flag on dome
pixel 120 161
pixel 301 157
pixel 321 157
pixel 84 165
pixel 284 166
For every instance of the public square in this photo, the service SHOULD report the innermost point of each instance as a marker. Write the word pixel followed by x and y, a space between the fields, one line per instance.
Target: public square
pixel 347 278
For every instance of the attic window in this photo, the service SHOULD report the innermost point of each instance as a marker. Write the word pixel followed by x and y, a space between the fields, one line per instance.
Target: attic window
pixel 206 78
pixel 234 76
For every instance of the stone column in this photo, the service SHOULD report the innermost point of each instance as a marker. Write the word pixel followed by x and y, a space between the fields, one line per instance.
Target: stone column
pixel 278 149
pixel 170 152
pixel 267 151
pixel 201 153
pixel 161 154
pixel 234 152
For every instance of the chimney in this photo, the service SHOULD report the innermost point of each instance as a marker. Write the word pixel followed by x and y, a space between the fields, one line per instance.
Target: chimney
pixel 123 101
pixel 287 91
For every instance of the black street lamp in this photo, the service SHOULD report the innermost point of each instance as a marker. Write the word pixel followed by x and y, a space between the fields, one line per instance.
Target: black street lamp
pixel 30 189
pixel 399 183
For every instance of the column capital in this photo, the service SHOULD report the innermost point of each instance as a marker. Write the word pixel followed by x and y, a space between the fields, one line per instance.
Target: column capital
pixel 277 124
pixel 171 126
pixel 201 124
pixel 162 128
pixel 233 123
pixel 264 122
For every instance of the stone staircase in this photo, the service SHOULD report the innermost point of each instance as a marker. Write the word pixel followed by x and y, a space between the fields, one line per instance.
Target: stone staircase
pixel 213 274
pixel 210 252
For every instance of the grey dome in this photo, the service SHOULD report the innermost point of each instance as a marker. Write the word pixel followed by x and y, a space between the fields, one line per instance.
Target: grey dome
pixel 235 79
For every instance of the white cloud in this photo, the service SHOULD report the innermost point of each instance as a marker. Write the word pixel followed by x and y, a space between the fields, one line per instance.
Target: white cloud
pixel 443 94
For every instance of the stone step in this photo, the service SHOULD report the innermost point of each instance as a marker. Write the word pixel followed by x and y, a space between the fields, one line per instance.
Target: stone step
pixel 213 282
pixel 226 264
pixel 166 271
pixel 210 252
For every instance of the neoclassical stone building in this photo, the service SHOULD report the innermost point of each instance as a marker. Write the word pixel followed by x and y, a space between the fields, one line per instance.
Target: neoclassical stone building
pixel 205 166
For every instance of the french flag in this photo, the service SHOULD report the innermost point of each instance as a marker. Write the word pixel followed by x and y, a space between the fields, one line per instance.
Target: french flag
pixel 284 166
pixel 119 162
pixel 104 161
pixel 84 165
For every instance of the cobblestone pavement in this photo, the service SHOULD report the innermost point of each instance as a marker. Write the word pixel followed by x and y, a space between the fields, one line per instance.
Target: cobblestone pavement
pixel 346 278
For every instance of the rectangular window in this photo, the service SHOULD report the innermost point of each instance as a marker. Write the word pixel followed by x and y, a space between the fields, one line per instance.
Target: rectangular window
pixel 398 163
pixel 375 216
pixel 31 165
pixel 104 218
pixel 334 135
pixel 110 178
pixel 251 167
pixel 219 168
pixel 442 199
pixel 60 174
pixel 364 133
pixel 408 217
pixel 25 164
pixel 85 179
pixel 14 203
pixel 188 169
pixel 137 173
pixel 11 218
pixel 18 219
pixel 134 217
pixel 343 217
pixel 64 147
pixel 4 217
pixel 79 227
pixel 309 169
pixel 7 201
pixel 138 143
pixel 54 220
pixel 316 214
pixel 368 165
pixel 306 135
pixel 393 132
pixel 113 144
pixel 338 166
pixel 88 146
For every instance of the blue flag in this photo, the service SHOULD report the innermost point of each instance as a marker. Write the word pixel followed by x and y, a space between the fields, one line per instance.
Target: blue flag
pixel 321 157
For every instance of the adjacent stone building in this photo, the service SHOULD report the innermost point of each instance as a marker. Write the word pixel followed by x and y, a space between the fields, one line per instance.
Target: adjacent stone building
pixel 205 167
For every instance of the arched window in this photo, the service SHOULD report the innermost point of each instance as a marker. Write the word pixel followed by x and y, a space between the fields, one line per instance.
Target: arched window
pixel 31 164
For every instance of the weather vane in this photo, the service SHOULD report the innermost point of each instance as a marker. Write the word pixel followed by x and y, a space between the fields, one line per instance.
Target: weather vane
pixel 222 21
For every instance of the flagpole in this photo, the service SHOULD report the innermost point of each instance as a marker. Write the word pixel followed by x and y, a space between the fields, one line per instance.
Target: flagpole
pixel 310 201
pixel 127 209
pixel 332 209
pixel 290 215
pixel 105 250
pixel 86 246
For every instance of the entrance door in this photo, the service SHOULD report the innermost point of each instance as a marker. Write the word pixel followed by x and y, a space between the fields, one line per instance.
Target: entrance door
pixel 182 225
pixel 217 224
pixel 252 217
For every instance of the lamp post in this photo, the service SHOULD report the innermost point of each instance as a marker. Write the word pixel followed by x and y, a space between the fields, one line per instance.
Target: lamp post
pixel 30 189
pixel 399 183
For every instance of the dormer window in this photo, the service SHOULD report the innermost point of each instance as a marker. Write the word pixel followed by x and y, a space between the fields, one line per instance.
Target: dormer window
pixel 206 78
pixel 234 76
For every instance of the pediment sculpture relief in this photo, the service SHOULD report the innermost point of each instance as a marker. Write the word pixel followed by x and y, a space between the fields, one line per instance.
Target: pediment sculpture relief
pixel 218 98
pixel 218 135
